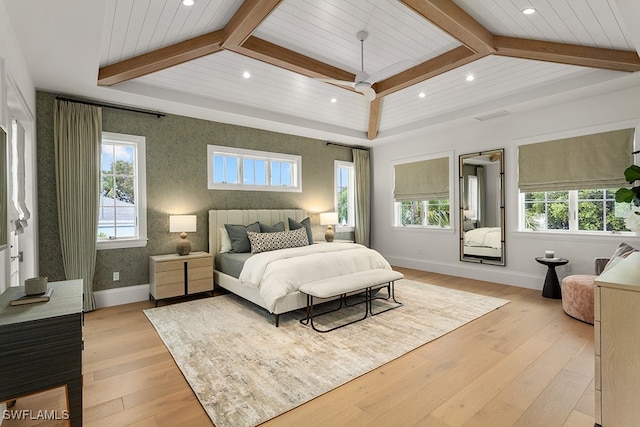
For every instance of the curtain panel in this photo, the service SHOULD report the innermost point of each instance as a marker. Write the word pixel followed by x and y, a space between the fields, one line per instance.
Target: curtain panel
pixel 424 180
pixel 583 162
pixel 362 167
pixel 19 212
pixel 78 133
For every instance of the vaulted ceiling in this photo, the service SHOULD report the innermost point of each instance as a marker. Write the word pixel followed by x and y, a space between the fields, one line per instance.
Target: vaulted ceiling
pixel 191 59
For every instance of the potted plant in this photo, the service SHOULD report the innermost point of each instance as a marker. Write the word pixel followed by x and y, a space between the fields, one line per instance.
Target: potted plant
pixel 631 195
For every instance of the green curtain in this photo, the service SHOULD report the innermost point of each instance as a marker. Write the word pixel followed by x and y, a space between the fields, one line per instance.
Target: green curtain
pixel 362 196
pixel 78 130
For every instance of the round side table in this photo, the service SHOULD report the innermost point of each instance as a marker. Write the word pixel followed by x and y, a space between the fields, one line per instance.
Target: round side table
pixel 551 287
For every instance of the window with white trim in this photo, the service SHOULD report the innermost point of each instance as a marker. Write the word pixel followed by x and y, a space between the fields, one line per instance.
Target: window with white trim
pixel 345 193
pixel 122 215
pixel 241 169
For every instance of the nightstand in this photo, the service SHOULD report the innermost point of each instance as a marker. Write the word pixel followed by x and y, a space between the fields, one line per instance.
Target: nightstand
pixel 178 275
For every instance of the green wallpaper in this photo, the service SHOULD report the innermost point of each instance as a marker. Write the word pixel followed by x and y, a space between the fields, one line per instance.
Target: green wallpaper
pixel 177 184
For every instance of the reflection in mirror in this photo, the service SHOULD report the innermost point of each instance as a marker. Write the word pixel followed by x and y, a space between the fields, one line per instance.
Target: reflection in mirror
pixel 4 176
pixel 482 207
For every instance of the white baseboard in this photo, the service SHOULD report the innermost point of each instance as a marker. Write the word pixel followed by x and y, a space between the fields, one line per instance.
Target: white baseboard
pixel 118 296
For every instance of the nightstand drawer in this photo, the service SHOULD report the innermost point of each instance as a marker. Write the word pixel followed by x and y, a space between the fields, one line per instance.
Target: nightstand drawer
pixel 201 262
pixel 200 273
pixel 169 266
pixel 169 290
pixel 200 285
pixel 177 275
pixel 167 277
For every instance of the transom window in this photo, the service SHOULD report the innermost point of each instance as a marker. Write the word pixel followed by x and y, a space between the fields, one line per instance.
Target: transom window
pixel 345 193
pixel 239 169
pixel 122 202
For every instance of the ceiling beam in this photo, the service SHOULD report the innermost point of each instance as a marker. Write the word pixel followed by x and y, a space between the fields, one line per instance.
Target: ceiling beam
pixel 586 56
pixel 433 67
pixel 374 118
pixel 246 19
pixel 160 59
pixel 279 56
pixel 454 21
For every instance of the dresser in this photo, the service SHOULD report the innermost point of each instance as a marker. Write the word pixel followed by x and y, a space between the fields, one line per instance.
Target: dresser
pixel 617 344
pixel 178 275
pixel 41 345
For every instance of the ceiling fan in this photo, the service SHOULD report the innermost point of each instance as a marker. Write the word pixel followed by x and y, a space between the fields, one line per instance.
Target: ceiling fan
pixel 364 81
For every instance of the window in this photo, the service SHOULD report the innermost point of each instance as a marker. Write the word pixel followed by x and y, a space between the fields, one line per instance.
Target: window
pixel 122 205
pixel 345 193
pixel 574 211
pixel 422 193
pixel 239 169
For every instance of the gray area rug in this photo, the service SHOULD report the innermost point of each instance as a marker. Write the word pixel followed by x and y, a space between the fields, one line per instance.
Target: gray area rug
pixel 246 371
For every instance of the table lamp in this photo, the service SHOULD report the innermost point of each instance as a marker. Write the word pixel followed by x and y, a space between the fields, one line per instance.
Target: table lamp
pixel 182 224
pixel 329 219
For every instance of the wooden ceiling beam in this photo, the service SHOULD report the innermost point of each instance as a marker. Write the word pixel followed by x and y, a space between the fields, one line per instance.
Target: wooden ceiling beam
pixel 375 111
pixel 433 67
pixel 586 56
pixel 450 18
pixel 279 56
pixel 160 59
pixel 246 19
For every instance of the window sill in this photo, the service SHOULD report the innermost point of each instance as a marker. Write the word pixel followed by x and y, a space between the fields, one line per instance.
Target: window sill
pixel 412 228
pixel 566 235
pixel 121 244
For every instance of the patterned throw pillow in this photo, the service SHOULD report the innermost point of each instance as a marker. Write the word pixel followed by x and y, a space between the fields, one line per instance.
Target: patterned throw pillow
pixel 264 242
pixel 306 223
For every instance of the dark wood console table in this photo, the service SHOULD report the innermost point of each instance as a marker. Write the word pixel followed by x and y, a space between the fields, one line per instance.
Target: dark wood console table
pixel 41 345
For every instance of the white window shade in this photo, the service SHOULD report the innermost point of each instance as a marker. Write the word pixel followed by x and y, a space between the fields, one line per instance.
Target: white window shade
pixel 583 162
pixel 423 180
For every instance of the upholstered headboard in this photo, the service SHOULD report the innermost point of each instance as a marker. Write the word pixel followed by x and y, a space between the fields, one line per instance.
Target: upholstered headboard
pixel 218 218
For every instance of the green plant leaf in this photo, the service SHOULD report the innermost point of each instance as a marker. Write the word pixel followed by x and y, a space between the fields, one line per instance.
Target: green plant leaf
pixel 624 195
pixel 632 174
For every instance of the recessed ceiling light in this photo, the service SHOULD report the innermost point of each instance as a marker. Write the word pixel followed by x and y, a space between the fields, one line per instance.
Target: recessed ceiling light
pixel 529 11
pixel 334 100
pixel 470 78
pixel 422 94
pixel 188 2
pixel 246 74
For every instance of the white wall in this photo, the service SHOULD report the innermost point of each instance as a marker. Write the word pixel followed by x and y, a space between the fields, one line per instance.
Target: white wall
pixel 22 97
pixel 438 250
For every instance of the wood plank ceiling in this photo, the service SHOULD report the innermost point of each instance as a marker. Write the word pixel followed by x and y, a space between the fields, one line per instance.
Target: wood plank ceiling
pixel 438 36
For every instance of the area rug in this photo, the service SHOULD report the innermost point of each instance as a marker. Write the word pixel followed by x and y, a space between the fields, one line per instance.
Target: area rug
pixel 246 371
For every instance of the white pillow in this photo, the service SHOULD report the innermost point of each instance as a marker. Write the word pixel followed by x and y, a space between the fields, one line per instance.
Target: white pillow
pixel 225 241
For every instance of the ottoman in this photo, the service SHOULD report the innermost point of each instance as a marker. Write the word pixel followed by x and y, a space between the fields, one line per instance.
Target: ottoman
pixel 577 296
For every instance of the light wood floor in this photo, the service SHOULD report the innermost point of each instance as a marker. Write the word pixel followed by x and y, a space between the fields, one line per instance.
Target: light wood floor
pixel 525 364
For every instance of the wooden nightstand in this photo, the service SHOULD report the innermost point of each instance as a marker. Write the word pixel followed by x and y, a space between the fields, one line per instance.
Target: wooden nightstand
pixel 178 275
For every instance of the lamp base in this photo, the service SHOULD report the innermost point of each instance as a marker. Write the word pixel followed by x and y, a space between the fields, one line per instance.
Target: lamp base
pixel 329 234
pixel 184 246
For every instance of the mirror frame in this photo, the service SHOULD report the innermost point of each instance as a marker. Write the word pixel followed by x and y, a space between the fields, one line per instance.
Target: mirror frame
pixel 501 261
pixel 4 178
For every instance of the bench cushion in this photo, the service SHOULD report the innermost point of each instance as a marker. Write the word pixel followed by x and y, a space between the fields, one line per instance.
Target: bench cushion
pixel 334 286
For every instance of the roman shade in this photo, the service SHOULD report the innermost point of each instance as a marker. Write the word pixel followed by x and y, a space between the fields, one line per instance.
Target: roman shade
pixel 583 162
pixel 423 180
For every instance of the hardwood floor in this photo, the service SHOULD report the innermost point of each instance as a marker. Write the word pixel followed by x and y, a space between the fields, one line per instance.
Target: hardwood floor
pixel 525 364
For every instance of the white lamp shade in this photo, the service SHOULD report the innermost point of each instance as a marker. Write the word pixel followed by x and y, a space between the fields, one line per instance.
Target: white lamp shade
pixel 182 223
pixel 328 218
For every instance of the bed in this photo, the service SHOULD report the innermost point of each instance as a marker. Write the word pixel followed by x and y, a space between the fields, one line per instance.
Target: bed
pixel 271 279
pixel 483 242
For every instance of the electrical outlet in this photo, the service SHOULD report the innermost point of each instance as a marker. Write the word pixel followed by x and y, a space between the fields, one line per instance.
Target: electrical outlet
pixel 116 276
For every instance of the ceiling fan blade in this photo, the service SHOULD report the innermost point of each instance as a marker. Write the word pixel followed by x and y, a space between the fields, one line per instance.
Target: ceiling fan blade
pixel 337 82
pixel 367 91
pixel 390 70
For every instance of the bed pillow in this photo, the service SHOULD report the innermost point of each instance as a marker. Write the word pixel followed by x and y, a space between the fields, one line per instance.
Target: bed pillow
pixel 623 251
pixel 225 241
pixel 264 228
pixel 306 223
pixel 238 236
pixel 264 242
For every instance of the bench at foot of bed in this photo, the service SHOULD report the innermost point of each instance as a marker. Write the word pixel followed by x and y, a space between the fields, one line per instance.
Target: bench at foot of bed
pixel 367 281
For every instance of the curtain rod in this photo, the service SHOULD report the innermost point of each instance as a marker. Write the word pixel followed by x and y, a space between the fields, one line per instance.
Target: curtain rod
pixel 115 107
pixel 347 146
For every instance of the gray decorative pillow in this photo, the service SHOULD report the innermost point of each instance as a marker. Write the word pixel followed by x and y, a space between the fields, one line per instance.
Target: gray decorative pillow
pixel 264 242
pixel 264 228
pixel 306 223
pixel 238 236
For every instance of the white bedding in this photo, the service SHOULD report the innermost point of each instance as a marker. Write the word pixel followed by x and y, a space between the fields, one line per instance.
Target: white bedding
pixel 490 237
pixel 278 273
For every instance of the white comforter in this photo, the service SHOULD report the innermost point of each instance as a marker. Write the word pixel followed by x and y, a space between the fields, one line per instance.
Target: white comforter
pixel 487 237
pixel 278 273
